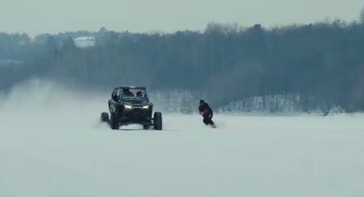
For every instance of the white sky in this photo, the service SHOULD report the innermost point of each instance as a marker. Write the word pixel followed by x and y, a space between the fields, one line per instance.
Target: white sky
pixel 53 16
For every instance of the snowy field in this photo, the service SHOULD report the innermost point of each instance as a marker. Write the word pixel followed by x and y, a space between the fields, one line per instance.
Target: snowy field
pixel 55 147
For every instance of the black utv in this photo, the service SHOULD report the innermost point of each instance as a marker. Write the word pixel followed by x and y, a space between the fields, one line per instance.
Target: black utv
pixel 131 105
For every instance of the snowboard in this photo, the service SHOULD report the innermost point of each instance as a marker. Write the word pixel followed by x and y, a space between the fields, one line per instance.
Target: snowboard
pixel 213 126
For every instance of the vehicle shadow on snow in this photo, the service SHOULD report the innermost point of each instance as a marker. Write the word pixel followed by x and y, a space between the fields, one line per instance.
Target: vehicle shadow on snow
pixel 103 125
pixel 146 130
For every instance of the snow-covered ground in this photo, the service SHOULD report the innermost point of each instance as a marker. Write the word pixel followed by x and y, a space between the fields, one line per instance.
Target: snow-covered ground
pixel 56 147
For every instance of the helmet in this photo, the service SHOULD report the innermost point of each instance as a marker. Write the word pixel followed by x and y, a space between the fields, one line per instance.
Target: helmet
pixel 139 93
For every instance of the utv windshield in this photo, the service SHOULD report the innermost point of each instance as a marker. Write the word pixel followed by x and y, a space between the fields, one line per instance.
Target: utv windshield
pixel 131 93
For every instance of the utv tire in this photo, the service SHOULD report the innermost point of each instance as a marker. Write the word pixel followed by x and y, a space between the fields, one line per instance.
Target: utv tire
pixel 146 126
pixel 104 117
pixel 157 120
pixel 114 125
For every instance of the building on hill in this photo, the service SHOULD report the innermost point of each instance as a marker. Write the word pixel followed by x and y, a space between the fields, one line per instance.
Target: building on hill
pixel 84 42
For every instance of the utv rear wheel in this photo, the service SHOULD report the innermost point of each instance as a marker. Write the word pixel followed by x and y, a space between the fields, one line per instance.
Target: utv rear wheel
pixel 157 120
pixel 104 117
pixel 146 126
pixel 114 122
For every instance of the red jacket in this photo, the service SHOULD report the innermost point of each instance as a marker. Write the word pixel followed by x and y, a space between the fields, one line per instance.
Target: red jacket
pixel 205 109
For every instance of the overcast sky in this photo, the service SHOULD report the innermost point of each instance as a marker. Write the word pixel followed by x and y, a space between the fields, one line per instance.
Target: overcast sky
pixel 53 16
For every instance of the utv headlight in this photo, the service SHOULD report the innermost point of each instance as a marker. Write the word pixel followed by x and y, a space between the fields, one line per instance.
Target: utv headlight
pixel 128 106
pixel 146 107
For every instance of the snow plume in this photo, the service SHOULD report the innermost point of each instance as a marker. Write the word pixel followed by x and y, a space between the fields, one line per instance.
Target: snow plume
pixel 39 95
pixel 35 96
pixel 46 95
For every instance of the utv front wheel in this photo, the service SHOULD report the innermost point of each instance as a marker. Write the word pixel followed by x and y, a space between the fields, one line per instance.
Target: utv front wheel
pixel 157 120
pixel 114 124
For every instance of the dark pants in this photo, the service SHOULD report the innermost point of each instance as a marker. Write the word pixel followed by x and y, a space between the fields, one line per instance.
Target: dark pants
pixel 207 119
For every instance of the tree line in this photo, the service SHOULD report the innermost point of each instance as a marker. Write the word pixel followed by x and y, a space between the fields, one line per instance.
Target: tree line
pixel 321 65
